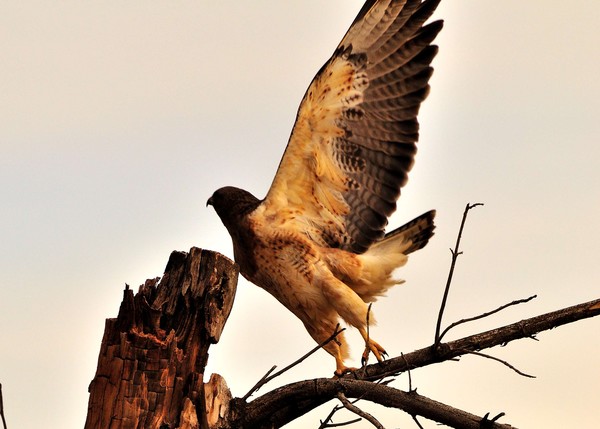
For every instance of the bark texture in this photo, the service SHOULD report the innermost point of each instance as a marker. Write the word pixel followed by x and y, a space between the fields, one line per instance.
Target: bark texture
pixel 152 358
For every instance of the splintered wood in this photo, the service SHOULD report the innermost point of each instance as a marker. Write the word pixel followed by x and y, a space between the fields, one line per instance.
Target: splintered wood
pixel 152 358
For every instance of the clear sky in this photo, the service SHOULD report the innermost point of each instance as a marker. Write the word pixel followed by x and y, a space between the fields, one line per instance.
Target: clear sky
pixel 119 119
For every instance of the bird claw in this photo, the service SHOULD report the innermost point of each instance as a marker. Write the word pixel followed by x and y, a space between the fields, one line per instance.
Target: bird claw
pixel 376 349
pixel 341 371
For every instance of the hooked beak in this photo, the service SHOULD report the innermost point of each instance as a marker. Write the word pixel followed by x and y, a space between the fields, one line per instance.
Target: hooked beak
pixel 209 202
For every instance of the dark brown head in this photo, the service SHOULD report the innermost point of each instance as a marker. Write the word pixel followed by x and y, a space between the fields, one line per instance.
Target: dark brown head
pixel 232 205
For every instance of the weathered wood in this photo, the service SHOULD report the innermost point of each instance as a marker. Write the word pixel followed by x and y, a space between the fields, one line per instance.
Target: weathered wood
pixel 152 358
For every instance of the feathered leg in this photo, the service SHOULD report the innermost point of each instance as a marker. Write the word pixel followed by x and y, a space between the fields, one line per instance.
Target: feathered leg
pixel 351 308
pixel 337 347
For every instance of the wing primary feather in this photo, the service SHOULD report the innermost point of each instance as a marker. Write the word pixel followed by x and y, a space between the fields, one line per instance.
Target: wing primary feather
pixel 418 63
pixel 390 178
pixel 382 134
pixel 388 147
pixel 384 89
pixel 383 160
pixel 384 192
pixel 398 128
pixel 411 21
pixel 409 100
pixel 404 53
pixel 352 157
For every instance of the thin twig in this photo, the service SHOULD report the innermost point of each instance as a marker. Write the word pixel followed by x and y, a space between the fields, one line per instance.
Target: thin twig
pixel 2 408
pixel 368 320
pixel 365 358
pixel 485 422
pixel 259 383
pixel 489 313
pixel 266 378
pixel 348 405
pixel 410 389
pixel 503 362
pixel 416 420
pixel 337 425
pixel 326 423
pixel 455 254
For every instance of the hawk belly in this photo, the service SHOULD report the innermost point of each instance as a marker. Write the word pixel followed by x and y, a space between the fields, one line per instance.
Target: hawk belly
pixel 296 273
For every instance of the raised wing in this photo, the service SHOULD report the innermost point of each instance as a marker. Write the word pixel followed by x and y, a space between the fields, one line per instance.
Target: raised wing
pixel 353 142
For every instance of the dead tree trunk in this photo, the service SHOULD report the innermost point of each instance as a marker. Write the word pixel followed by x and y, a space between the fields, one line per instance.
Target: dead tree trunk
pixel 152 358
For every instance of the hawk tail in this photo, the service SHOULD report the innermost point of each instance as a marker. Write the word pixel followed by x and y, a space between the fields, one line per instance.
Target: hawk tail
pixel 390 253
pixel 415 234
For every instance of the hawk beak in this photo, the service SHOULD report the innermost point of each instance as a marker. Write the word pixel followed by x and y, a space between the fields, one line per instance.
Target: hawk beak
pixel 209 202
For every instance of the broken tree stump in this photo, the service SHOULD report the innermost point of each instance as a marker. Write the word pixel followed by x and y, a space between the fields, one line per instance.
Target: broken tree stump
pixel 152 358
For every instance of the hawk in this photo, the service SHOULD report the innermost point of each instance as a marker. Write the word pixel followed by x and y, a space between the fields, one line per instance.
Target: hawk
pixel 317 241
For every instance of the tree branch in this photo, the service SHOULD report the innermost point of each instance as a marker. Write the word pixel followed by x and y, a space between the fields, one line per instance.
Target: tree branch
pixel 503 362
pixel 524 329
pixel 2 408
pixel 327 423
pixel 267 414
pixel 296 399
pixel 455 254
pixel 481 316
pixel 350 406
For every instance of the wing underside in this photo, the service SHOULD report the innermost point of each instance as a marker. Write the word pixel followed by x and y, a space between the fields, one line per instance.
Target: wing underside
pixel 355 135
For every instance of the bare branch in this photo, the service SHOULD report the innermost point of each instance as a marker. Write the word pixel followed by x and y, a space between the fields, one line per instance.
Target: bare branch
pixel 455 254
pixel 270 409
pixel 410 389
pixel 350 406
pixel 524 329
pixel 266 378
pixel 297 399
pixel 416 420
pixel 489 313
pixel 485 421
pixel 326 423
pixel 2 408
pixel 503 362
pixel 337 425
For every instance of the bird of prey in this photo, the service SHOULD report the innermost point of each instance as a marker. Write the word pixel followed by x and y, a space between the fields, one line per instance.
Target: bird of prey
pixel 317 241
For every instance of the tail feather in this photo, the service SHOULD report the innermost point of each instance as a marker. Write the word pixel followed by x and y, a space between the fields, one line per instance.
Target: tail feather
pixel 418 232
pixel 382 258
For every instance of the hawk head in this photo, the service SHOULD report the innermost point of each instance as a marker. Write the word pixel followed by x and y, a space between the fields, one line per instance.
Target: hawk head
pixel 232 205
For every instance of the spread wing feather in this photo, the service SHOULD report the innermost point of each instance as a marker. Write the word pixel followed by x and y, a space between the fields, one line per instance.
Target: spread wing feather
pixel 353 142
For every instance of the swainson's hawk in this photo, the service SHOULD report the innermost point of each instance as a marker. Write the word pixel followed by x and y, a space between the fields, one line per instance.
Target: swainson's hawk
pixel 316 242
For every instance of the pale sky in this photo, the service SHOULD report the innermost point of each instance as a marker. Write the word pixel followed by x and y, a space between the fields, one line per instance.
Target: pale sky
pixel 119 119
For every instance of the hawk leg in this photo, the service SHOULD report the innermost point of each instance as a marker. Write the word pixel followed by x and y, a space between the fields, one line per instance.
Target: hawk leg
pixel 341 368
pixel 371 346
